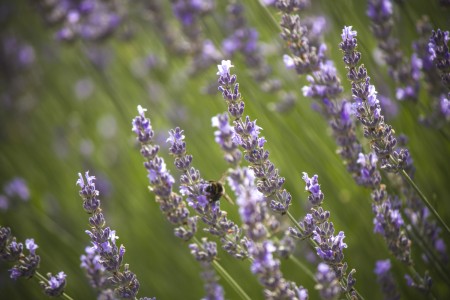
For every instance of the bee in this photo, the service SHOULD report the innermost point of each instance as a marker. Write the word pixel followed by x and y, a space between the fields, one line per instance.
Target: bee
pixel 215 191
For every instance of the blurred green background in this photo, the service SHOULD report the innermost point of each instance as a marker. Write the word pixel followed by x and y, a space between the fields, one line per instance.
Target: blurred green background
pixel 49 133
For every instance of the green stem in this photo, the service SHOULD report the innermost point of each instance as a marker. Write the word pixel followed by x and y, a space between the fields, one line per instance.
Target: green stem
pixel 432 257
pixel 425 200
pixel 227 277
pixel 224 274
pixel 42 278
pixel 302 267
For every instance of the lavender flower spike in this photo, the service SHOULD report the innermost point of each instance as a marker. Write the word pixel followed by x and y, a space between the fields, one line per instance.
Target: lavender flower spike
pixel 200 198
pixel 386 280
pixel 255 217
pixel 205 254
pixel 161 182
pixel 270 184
pixel 27 265
pixel 103 239
pixel 439 53
pixel 367 108
pixel 56 284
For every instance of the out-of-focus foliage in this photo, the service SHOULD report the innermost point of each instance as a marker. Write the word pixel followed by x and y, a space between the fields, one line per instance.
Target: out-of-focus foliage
pixel 66 107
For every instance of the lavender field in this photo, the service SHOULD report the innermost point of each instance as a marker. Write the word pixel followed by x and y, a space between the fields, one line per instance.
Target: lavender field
pixel 205 149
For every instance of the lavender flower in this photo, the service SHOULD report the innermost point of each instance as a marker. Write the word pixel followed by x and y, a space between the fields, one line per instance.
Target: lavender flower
pixel 423 284
pixel 367 108
pixel 406 76
pixel 386 280
pixel 94 270
pixel 161 182
pixel 327 283
pixel 256 219
pixel 87 20
pixel 189 13
pixel 247 136
pixel 225 137
pixel 17 187
pixel 243 39
pixel 205 254
pixel 305 57
pixel 26 265
pixel 440 55
pixel 316 225
pixel 199 197
pixel 55 285
pixel 123 281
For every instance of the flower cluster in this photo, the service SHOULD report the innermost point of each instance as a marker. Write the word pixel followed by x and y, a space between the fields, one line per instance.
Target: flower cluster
pixel 203 197
pixel 243 39
pixel 87 20
pixel 367 108
pixel 270 184
pixel 55 285
pixel 440 55
pixel 103 239
pixel 16 188
pixel 386 280
pixel 405 75
pixel 205 254
pixel 224 136
pixel 96 272
pixel 256 223
pixel 316 225
pixel 189 14
pixel 27 265
pixel 161 182
pixel 306 57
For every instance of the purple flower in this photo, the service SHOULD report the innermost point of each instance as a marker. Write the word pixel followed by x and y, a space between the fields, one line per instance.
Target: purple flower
pixel 312 186
pixel 55 285
pixel 368 110
pixel 161 182
pixel 306 52
pixel 256 223
pixel 205 253
pixel 224 68
pixel 104 239
pixel 226 138
pixel 386 280
pixel 445 106
pixel 94 270
pixel 327 282
pixel 440 54
pixel 25 265
pixel 247 136
pixel 17 187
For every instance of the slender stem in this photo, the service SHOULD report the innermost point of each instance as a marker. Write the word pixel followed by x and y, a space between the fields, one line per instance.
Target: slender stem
pixel 224 274
pixel 432 257
pixel 291 217
pixel 416 275
pixel 42 278
pixel 228 278
pixel 425 200
pixel 302 267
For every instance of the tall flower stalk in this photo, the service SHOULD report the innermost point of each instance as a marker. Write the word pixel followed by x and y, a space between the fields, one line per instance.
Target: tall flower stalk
pixel 173 205
pixel 367 110
pixel 26 265
pixel 325 87
pixel 269 183
pixel 124 282
pixel 200 196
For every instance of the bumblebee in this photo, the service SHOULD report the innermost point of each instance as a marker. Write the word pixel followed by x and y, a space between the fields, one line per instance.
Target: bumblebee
pixel 215 191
